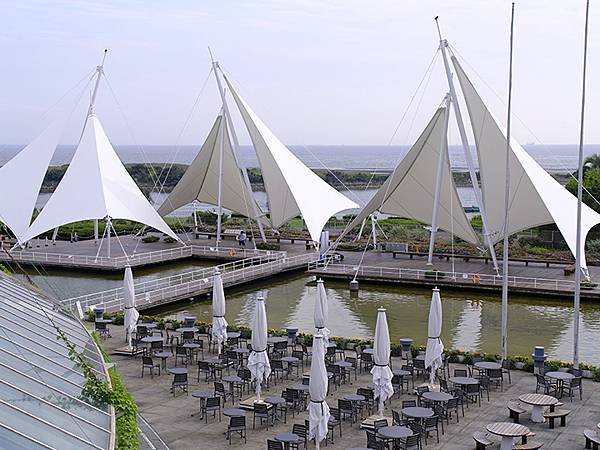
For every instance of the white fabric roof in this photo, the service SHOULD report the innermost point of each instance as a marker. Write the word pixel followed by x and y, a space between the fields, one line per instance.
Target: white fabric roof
pixel 94 186
pixel 535 197
pixel 201 180
pixel 292 188
pixel 435 346
pixel 131 313
pixel 409 191
pixel 23 175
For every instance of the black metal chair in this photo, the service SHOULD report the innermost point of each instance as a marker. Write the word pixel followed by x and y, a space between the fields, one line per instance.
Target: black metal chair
pixel 204 367
pixel 102 329
pixel 237 424
pixel 409 403
pixel 180 380
pixel 473 394
pixel 181 352
pixel 261 411
pixel 220 391
pixel 431 424
pixel 346 409
pixel 211 404
pixel 148 363
pixel 335 420
pixel 301 431
pixel 571 386
pixel 274 445
pixel 495 378
pixel 461 373
pixel 545 385
pixel 277 368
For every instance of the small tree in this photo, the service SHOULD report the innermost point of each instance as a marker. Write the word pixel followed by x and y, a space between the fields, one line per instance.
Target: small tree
pixel 591 184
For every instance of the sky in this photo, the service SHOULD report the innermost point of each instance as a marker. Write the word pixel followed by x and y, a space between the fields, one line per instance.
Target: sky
pixel 315 71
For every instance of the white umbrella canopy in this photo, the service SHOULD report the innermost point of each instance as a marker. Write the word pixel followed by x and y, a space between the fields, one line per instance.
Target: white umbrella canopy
pixel 258 361
pixel 435 346
pixel 219 325
pixel 318 409
pixel 382 374
pixel 321 312
pixel 131 314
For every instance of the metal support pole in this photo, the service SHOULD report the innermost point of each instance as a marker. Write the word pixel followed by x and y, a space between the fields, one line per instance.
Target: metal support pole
pixel 504 345
pixel 373 230
pixel 578 249
pixel 467 152
pixel 108 236
pixel 438 181
pixel 95 231
pixel 220 188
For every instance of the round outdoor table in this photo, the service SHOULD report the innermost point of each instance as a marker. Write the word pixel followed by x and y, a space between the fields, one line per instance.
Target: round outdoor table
pixel 463 381
pixel 508 431
pixel 437 397
pixel 560 378
pixel 242 350
pixel 488 365
pixel 287 439
pixel 289 360
pixel 202 395
pixel 354 397
pixel 274 339
pixel 417 412
pixel 401 373
pixel 234 412
pixel 343 364
pixel 233 334
pixel 191 347
pixel 420 357
pixel 231 379
pixel 177 370
pixel 299 387
pixel 369 351
pixel 538 401
pixel 275 401
pixel 148 325
pixel 187 329
pixel 103 321
pixel 394 432
pixel 163 358
pixel 150 339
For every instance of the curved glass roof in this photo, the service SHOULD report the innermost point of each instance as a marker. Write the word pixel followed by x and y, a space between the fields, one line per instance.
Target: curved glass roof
pixel 40 387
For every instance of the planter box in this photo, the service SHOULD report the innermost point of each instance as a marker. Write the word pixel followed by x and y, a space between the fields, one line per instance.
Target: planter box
pixel 519 365
pixel 588 374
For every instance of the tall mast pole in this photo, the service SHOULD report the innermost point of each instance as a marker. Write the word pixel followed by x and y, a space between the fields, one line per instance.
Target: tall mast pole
pixel 576 303
pixel 438 180
pixel 504 345
pixel 466 149
pixel 220 188
pixel 99 72
pixel 236 148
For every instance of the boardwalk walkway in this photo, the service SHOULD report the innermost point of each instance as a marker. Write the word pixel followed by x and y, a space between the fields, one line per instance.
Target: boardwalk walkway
pixel 191 284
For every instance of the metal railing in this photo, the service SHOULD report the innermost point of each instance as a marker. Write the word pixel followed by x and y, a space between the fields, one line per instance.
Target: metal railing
pixel 196 282
pixel 136 259
pixel 445 276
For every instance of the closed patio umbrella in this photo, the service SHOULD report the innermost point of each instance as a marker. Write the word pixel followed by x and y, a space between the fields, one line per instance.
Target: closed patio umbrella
pixel 318 409
pixel 435 346
pixel 258 361
pixel 321 312
pixel 382 374
pixel 219 325
pixel 131 314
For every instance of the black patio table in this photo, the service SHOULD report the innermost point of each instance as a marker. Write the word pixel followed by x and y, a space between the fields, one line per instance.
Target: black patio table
pixel 417 412
pixel 163 358
pixel 287 439
pixel 202 395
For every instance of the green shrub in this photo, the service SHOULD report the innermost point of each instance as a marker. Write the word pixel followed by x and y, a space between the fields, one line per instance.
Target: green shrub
pixel 169 240
pixel 150 238
pixel 435 274
pixel 594 246
pixel 539 251
pixel 268 246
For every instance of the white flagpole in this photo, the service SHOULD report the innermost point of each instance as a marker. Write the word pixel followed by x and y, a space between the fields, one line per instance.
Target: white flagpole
pixel 220 190
pixel 507 199
pixel 578 249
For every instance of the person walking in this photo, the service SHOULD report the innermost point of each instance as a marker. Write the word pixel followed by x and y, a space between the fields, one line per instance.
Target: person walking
pixel 242 239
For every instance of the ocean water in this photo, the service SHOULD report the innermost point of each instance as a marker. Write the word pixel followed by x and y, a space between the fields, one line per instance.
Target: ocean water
pixel 554 158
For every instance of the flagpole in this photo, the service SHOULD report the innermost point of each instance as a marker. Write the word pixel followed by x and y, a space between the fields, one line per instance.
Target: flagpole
pixel 507 197
pixel 578 249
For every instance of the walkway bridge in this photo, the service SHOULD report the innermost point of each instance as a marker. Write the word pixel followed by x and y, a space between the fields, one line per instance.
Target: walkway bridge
pixel 153 293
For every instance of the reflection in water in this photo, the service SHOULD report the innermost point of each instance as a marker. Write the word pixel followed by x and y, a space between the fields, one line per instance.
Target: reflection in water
pixel 471 321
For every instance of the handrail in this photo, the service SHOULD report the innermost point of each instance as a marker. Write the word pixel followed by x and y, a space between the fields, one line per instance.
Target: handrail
pixel 457 277
pixel 193 282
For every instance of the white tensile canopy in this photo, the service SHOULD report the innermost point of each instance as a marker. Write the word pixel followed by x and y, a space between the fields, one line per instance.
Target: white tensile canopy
pixel 410 190
pixel 258 361
pixel 131 314
pixel 321 312
pixel 95 186
pixel 200 182
pixel 382 374
pixel 23 175
pixel 219 324
pixel 435 346
pixel 318 409
pixel 292 188
pixel 535 197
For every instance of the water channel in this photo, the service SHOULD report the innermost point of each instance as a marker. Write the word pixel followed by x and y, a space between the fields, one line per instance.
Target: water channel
pixel 471 320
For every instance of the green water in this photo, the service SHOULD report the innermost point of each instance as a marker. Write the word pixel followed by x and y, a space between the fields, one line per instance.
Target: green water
pixel 471 321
